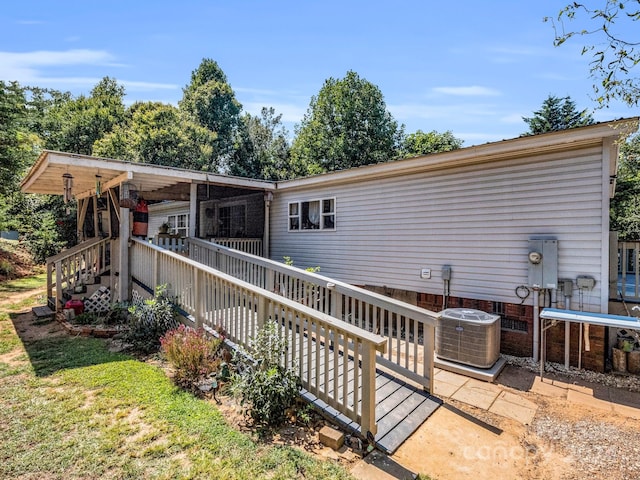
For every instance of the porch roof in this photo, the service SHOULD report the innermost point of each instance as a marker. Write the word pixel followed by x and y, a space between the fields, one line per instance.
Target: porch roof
pixel 154 181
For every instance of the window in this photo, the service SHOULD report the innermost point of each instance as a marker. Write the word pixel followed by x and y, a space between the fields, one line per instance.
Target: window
pixel 179 224
pixel 232 220
pixel 313 215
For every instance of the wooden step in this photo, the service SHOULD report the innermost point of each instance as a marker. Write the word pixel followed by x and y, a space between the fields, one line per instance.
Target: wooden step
pixel 43 313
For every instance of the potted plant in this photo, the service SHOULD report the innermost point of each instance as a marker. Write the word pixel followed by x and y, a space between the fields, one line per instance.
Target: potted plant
pixel 164 228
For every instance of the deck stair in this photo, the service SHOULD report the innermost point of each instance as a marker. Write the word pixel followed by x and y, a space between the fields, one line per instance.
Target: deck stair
pixel 43 314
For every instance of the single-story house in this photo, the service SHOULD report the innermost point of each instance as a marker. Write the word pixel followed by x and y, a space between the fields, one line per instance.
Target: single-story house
pixel 507 227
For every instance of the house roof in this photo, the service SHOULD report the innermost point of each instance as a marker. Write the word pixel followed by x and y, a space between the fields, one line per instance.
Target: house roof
pixel 158 182
pixel 524 146
pixel 45 176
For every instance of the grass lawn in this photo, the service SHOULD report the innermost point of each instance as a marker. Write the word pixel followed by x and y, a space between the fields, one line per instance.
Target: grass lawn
pixel 71 409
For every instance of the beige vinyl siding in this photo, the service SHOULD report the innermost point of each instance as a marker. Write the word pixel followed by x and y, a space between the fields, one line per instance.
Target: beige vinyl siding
pixel 477 219
pixel 159 212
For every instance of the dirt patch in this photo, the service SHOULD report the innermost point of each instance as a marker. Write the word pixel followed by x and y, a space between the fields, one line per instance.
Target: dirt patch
pixel 15 261
pixel 29 329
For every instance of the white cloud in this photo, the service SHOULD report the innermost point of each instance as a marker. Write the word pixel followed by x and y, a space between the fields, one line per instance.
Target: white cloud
pixel 134 85
pixel 26 67
pixel 31 68
pixel 41 58
pixel 441 112
pixel 470 91
pixel 512 118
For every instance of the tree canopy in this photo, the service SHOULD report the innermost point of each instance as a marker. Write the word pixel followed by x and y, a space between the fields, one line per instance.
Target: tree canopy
pixel 160 134
pixel 210 101
pixel 421 143
pixel 262 149
pixel 625 205
pixel 613 56
pixel 75 124
pixel 346 125
pixel 12 134
pixel 557 114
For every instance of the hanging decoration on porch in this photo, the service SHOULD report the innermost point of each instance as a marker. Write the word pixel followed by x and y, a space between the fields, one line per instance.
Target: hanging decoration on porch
pixel 67 182
pixel 98 185
pixel 128 195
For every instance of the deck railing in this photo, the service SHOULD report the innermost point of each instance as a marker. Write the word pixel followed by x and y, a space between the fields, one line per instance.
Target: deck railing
pixel 409 330
pixel 629 270
pixel 318 346
pixel 74 266
pixel 175 244
pixel 252 246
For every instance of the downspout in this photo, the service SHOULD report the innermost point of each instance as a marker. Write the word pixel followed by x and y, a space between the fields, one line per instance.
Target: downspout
pixel 266 250
pixel 193 210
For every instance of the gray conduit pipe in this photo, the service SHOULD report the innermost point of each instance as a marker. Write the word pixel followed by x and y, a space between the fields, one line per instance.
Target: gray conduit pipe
pixel 567 332
pixel 536 323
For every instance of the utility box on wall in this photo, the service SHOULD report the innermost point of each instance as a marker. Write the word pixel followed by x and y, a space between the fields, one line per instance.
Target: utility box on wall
pixel 543 263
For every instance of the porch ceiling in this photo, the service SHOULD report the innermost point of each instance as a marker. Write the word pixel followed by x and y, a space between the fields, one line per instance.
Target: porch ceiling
pixel 155 182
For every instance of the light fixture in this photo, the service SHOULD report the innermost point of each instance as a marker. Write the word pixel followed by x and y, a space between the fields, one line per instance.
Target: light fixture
pixel 98 185
pixel 67 182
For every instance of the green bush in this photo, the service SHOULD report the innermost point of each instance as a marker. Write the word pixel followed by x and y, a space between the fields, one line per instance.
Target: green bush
pixel 149 320
pixel 6 267
pixel 193 354
pixel 266 389
pixel 86 318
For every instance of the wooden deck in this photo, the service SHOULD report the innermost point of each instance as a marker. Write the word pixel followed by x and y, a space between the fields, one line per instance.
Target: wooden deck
pixel 401 408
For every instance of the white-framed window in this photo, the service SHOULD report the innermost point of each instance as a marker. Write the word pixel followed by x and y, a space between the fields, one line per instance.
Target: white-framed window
pixel 179 224
pixel 312 215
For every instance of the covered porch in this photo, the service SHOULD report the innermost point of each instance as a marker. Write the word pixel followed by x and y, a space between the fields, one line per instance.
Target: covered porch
pixel 112 206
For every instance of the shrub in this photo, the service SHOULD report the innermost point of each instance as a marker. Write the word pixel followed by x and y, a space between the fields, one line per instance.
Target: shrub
pixel 6 267
pixel 266 389
pixel 86 318
pixel 149 320
pixel 193 354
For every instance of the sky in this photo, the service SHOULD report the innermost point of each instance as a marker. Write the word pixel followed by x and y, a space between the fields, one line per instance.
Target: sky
pixel 471 67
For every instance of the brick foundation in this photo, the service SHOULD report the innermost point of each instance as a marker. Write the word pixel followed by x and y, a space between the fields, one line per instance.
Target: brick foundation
pixel 519 342
pixel 591 360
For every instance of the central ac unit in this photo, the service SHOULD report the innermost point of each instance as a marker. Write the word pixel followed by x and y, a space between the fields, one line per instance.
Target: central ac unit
pixel 467 336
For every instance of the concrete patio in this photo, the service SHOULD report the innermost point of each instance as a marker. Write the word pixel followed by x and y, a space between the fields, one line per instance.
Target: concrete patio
pixel 515 396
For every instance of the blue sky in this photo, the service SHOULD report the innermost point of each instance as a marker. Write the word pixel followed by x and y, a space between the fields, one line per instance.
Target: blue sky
pixel 472 67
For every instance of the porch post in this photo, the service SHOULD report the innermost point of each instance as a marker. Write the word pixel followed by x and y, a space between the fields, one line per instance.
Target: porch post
pixel 123 279
pixel 266 247
pixel 193 209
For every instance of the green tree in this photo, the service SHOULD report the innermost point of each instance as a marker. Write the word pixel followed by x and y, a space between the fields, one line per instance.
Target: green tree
pixel 262 149
pixel 210 101
pixel 421 143
pixel 159 134
pixel 76 124
pixel 15 141
pixel 613 57
pixel 625 205
pixel 346 125
pixel 557 114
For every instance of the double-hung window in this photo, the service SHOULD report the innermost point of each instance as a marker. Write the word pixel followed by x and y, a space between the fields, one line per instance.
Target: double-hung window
pixel 313 215
pixel 179 224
